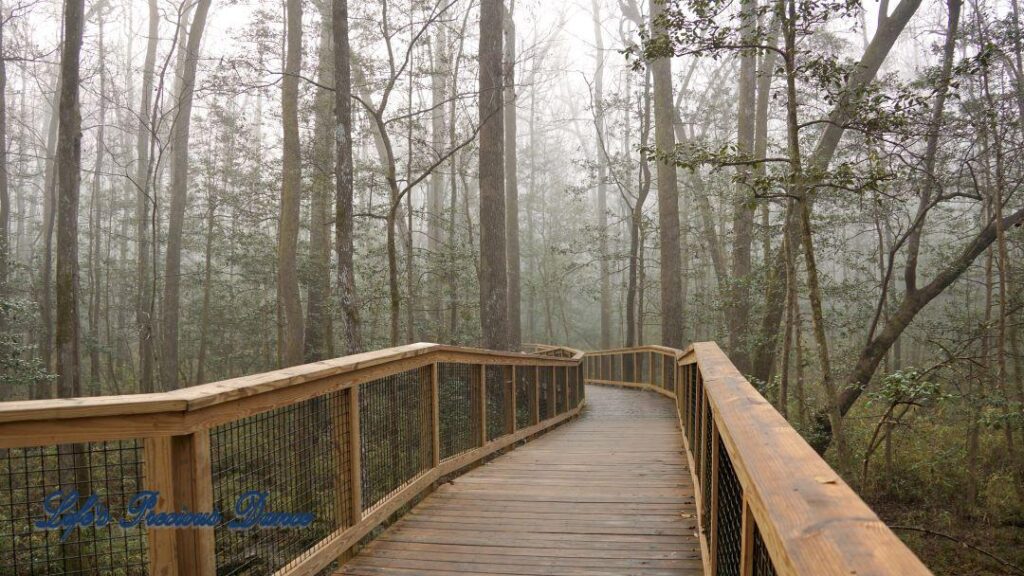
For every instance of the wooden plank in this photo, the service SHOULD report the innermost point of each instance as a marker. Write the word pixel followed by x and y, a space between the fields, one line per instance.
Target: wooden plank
pixel 162 548
pixel 608 493
pixel 193 490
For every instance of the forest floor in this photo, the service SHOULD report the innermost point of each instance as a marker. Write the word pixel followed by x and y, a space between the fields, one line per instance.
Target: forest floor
pixel 948 558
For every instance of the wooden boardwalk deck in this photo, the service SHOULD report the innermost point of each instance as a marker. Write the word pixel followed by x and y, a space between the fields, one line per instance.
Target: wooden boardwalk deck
pixel 606 494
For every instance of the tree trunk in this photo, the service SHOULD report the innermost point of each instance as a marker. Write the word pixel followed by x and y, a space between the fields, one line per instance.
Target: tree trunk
pixel 515 330
pixel 293 330
pixel 144 297
pixel 668 196
pixel 5 195
pixel 602 182
pixel 738 289
pixel 435 199
pixel 179 193
pixel 343 244
pixel 494 325
pixel 634 300
pixel 95 215
pixel 318 316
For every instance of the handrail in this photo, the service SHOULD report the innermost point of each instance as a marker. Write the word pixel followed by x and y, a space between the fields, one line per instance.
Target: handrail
pixel 767 503
pixel 353 439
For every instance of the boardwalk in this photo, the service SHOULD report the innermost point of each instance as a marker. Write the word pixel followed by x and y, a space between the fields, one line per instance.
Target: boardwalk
pixel 606 494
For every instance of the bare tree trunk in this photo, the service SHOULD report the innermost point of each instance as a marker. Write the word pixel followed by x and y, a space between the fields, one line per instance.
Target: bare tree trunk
pixel 46 352
pixel 494 326
pixel 95 214
pixel 435 199
pixel 204 314
pixel 515 329
pixel 179 193
pixel 738 290
pixel 343 244
pixel 293 330
pixel 634 300
pixel 318 317
pixel 144 297
pixel 602 182
pixel 668 196
pixel 5 195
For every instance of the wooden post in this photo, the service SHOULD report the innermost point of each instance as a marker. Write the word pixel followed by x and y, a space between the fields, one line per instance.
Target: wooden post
pixel 512 402
pixel 355 480
pixel 178 467
pixel 159 476
pixel 435 415
pixel 193 490
pixel 565 382
pixel 747 541
pixel 483 404
pixel 535 405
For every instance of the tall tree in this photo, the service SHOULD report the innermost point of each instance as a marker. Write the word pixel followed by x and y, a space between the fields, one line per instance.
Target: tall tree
pixel 292 330
pixel 493 263
pixel 604 279
pixel 5 195
pixel 668 192
pixel 318 317
pixel 343 243
pixel 69 165
pixel 144 306
pixel 515 330
pixel 179 193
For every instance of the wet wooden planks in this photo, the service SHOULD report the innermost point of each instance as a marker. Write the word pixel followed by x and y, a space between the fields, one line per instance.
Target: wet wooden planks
pixel 606 494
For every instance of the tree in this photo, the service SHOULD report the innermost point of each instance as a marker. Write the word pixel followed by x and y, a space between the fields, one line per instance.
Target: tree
pixel 179 194
pixel 292 331
pixel 668 191
pixel 343 244
pixel 515 330
pixel 605 295
pixel 494 324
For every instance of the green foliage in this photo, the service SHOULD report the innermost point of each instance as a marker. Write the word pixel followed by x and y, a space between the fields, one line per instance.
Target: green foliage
pixel 20 368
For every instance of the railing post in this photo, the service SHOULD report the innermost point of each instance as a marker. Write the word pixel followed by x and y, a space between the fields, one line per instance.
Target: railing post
pixel 435 419
pixel 513 407
pixel 483 404
pixel 178 467
pixel 535 408
pixel 565 385
pixel 747 541
pixel 159 476
pixel 355 479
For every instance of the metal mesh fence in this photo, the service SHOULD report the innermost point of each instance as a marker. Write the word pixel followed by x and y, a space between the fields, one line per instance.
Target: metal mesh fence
pixel 526 377
pixel 459 407
pixel 110 471
pixel 762 563
pixel 729 526
pixel 644 366
pixel 395 437
pixel 561 389
pixel 707 463
pixel 546 392
pixel 499 398
pixel 668 372
pixel 293 455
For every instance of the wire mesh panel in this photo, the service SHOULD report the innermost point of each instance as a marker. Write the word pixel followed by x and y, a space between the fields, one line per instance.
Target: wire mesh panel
pixel 629 367
pixel 294 455
pixel 110 471
pixel 395 433
pixel 729 525
pixel 668 372
pixel 561 389
pixel 698 427
pixel 656 373
pixel 606 367
pixel 695 412
pixel 459 407
pixel 762 562
pixel 581 390
pixel 546 393
pixel 499 399
pixel 709 442
pixel 526 392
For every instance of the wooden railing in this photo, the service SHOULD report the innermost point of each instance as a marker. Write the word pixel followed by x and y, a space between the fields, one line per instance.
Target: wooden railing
pixel 353 441
pixel 767 503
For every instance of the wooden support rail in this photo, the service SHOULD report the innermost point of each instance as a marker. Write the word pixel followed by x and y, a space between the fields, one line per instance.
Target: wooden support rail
pixel 353 440
pixel 767 503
